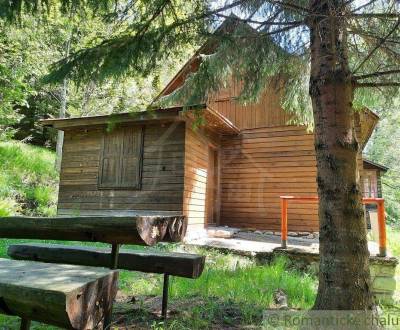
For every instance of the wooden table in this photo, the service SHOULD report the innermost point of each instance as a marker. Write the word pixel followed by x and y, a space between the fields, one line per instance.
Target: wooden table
pixel 68 296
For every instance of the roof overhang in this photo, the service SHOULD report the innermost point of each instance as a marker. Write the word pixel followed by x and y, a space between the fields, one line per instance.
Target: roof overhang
pixel 210 119
pixel 171 114
pixel 369 164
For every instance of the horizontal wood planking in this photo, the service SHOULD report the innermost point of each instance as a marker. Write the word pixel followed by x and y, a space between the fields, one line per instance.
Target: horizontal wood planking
pixel 261 164
pixel 162 175
pixel 266 112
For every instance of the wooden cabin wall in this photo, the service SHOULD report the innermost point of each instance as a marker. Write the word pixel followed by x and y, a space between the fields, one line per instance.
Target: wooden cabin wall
pixel 261 164
pixel 379 183
pixel 162 176
pixel 258 166
pixel 265 113
pixel 197 145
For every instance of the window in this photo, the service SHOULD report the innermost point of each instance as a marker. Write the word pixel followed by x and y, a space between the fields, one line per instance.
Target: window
pixel 121 159
pixel 370 184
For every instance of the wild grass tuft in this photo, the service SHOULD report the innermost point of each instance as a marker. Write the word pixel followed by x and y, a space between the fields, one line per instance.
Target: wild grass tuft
pixel 28 180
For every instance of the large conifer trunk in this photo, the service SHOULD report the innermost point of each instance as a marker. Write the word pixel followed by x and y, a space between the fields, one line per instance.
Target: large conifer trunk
pixel 344 279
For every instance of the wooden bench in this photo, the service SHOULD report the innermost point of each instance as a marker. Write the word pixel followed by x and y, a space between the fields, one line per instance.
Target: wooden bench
pixel 167 263
pixel 136 229
pixel 68 296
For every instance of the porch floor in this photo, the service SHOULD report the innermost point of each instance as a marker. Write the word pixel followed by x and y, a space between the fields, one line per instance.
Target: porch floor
pixel 255 244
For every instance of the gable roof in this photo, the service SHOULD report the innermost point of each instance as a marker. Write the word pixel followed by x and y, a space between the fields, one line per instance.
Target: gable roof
pixel 228 25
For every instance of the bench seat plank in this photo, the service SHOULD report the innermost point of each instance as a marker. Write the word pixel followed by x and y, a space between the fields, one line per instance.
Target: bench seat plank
pixel 68 296
pixel 177 264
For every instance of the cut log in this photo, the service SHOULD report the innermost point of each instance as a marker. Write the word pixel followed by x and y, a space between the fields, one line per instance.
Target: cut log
pixel 176 229
pixel 177 264
pixel 145 230
pixel 72 297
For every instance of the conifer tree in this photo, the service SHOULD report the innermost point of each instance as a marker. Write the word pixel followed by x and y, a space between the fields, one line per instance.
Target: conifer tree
pixel 334 57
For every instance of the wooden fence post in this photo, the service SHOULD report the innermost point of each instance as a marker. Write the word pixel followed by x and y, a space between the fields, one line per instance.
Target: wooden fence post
pixel 284 219
pixel 382 228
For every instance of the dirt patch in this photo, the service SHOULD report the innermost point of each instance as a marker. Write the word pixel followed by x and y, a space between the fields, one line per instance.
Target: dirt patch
pixel 144 312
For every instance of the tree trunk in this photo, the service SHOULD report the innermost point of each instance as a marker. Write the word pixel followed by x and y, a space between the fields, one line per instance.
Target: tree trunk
pixel 344 279
pixel 62 112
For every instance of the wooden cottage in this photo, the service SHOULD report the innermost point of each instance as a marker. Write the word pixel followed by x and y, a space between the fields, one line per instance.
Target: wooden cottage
pixel 371 180
pixel 229 171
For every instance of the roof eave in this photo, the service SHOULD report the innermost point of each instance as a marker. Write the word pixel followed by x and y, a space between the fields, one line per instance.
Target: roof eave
pixel 157 115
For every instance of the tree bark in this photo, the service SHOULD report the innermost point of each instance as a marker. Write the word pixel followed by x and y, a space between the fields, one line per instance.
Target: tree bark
pixel 344 278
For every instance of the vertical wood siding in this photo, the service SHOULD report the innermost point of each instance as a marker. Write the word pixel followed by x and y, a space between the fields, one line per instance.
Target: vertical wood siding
pixel 162 177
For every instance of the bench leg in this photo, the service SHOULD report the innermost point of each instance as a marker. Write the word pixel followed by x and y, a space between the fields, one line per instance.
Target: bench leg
pixel 114 256
pixel 164 306
pixel 107 320
pixel 25 324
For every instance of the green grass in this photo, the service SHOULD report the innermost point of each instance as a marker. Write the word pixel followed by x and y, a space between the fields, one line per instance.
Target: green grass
pixel 393 242
pixel 28 181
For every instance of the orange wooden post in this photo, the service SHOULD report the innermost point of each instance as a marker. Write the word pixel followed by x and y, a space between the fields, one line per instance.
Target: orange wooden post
pixel 284 219
pixel 382 228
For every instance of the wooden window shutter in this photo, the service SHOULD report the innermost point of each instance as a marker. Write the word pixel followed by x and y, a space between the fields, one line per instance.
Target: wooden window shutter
pixel 121 159
pixel 131 157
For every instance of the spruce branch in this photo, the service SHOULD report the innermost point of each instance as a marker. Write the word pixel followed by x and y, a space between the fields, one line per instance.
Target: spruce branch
pixel 375 15
pixel 290 5
pixel 262 23
pixel 377 84
pixel 376 74
pixel 363 6
pixel 370 35
pixel 380 43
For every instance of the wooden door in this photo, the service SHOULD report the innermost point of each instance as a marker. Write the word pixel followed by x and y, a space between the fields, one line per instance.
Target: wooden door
pixel 212 197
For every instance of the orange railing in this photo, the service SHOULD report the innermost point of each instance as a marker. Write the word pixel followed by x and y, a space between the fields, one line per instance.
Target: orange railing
pixel 378 201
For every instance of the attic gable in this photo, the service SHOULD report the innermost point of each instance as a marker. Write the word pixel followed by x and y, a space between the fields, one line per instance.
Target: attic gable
pixel 267 112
